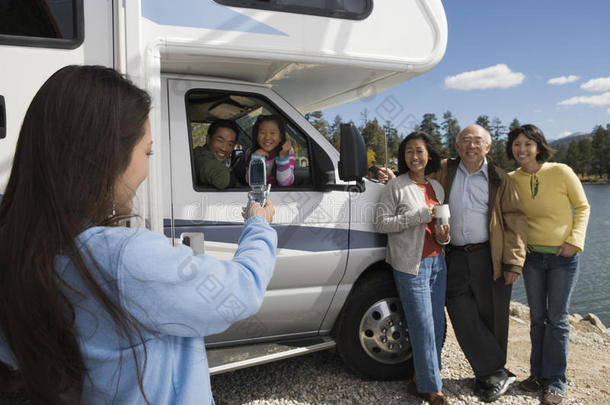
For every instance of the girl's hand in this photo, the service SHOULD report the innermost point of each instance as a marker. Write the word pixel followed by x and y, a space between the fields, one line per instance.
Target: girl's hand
pixel 442 234
pixel 285 149
pixel 431 209
pixel 260 152
pixel 567 250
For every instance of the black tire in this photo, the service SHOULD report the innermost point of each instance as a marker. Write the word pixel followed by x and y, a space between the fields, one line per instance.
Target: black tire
pixel 371 333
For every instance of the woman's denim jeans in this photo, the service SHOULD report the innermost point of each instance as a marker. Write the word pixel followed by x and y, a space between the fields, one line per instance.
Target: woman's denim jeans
pixel 423 301
pixel 549 281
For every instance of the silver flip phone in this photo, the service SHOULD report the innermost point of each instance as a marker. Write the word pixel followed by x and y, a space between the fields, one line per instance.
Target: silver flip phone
pixel 258 183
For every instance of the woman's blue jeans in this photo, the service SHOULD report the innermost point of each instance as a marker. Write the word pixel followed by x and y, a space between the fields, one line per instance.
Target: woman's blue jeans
pixel 423 301
pixel 549 281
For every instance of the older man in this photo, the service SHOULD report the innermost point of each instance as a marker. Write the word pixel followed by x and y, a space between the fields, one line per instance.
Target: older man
pixel 488 243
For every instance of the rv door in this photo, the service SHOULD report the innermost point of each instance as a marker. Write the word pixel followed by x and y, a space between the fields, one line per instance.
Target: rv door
pixel 312 222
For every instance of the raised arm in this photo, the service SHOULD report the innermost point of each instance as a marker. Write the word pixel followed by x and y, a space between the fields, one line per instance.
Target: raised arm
pixel 173 292
pixel 285 169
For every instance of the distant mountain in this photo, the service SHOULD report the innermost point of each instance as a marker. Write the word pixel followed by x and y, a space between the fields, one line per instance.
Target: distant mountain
pixel 577 136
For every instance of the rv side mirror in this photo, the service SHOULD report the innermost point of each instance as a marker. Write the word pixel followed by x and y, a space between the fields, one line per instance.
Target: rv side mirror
pixel 352 163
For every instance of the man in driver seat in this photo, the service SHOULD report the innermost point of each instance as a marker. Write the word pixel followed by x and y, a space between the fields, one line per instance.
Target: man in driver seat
pixel 211 159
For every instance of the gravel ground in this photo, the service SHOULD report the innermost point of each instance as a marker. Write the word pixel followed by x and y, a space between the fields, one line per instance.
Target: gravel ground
pixel 322 378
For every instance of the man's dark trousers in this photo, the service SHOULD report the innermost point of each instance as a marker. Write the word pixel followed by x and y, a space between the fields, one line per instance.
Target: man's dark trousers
pixel 478 307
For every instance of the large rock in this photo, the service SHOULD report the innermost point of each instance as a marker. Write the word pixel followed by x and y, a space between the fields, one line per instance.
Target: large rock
pixel 519 310
pixel 594 320
pixel 575 318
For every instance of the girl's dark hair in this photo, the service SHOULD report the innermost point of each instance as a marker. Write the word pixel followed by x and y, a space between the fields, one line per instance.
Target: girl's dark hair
pixel 535 134
pixel 76 140
pixel 222 124
pixel 434 157
pixel 280 124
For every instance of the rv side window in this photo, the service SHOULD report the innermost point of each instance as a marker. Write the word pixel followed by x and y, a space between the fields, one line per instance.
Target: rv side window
pixel 219 159
pixel 42 23
pixel 346 9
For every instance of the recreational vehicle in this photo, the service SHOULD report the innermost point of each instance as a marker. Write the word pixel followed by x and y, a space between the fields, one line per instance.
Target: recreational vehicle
pixel 203 60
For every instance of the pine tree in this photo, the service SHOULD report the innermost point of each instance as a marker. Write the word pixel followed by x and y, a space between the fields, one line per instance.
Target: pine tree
pixel 451 129
pixel 586 154
pixel 316 119
pixel 431 127
pixel 497 152
pixel 571 156
pixel 365 117
pixel 514 124
pixel 392 140
pixel 607 148
pixel 334 130
pixel 374 138
pixel 560 154
pixel 601 151
pixel 483 120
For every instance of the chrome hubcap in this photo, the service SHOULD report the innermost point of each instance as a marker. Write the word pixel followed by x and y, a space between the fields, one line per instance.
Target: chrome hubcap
pixel 383 332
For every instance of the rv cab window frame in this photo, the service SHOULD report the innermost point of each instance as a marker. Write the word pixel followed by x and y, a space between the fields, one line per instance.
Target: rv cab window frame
pixel 301 7
pixel 78 31
pixel 293 131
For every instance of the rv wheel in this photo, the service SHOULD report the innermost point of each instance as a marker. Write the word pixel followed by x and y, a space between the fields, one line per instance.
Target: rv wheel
pixel 372 335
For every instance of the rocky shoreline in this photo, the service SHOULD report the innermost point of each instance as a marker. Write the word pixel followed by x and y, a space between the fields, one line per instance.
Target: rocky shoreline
pixel 322 378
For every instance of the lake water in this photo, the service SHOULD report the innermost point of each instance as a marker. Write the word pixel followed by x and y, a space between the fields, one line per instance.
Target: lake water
pixel 592 291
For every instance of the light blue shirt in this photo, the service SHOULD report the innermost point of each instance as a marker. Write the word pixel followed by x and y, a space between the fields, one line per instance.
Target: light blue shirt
pixel 179 297
pixel 469 203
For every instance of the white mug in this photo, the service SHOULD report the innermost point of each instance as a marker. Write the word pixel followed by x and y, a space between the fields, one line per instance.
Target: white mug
pixel 442 214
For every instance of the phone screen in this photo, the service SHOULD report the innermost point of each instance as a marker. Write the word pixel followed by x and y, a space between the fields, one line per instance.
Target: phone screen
pixel 257 172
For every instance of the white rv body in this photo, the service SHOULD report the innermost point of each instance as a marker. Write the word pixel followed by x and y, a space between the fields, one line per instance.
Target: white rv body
pixel 289 63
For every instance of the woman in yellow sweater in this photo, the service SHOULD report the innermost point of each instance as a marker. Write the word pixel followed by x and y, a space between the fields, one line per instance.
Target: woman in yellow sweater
pixel 557 212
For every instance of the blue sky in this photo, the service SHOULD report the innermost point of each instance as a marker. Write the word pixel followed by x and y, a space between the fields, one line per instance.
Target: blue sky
pixel 532 42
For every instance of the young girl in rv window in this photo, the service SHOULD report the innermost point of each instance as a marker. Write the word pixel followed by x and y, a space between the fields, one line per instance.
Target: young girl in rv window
pixel 270 143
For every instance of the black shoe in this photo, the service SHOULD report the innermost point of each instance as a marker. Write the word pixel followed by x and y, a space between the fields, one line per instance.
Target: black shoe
pixel 480 386
pixel 531 384
pixel 498 388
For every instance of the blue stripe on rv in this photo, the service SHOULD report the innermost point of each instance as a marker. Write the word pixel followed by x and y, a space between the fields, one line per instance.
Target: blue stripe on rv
pixel 203 14
pixel 307 238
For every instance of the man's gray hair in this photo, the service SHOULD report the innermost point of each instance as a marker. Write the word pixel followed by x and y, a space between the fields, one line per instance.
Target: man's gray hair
pixel 487 134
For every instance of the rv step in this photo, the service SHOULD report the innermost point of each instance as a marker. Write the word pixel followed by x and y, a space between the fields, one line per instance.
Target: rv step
pixel 222 360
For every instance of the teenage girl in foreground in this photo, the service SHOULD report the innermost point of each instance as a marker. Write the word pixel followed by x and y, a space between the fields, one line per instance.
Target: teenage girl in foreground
pixel 92 312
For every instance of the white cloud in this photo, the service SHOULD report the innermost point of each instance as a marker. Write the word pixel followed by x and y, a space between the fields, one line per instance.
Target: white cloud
pixel 558 81
pixel 564 134
pixel 599 84
pixel 493 77
pixel 597 100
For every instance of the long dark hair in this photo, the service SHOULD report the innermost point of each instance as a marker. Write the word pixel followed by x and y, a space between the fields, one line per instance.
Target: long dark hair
pixel 76 139
pixel 434 157
pixel 534 133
